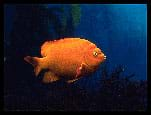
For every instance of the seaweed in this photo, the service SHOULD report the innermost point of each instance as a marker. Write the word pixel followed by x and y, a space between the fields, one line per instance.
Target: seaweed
pixel 76 14
pixel 117 93
pixel 68 19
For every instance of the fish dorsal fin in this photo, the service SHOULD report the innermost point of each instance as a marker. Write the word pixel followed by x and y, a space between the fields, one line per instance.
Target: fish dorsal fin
pixel 45 48
pixel 46 45
pixel 50 77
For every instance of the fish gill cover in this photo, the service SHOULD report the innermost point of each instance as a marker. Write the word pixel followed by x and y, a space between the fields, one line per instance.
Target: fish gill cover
pixel 119 84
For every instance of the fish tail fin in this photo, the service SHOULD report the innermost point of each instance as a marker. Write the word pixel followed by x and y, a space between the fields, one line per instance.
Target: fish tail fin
pixel 35 62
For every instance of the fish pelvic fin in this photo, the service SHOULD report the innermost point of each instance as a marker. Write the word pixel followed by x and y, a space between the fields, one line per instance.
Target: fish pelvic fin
pixel 81 70
pixel 35 62
pixel 72 80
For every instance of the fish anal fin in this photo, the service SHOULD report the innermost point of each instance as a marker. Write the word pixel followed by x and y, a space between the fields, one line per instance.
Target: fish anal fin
pixel 49 77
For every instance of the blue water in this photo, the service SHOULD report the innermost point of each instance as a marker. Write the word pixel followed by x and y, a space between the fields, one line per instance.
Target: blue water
pixel 119 30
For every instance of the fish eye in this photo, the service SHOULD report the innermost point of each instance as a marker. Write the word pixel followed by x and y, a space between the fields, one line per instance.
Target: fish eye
pixel 95 53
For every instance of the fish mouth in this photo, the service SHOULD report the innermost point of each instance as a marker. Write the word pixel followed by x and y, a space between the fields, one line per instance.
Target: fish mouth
pixel 104 57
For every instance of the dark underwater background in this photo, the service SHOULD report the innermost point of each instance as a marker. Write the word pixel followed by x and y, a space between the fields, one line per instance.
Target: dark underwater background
pixel 120 30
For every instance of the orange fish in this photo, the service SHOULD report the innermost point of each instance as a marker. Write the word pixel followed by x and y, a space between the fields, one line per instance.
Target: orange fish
pixel 70 58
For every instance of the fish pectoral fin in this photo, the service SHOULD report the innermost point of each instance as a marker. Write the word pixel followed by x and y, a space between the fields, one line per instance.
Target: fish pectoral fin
pixel 80 70
pixel 72 80
pixel 49 77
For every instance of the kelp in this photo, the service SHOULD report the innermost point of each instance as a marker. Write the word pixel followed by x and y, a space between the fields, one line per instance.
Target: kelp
pixel 24 92
pixel 117 93
pixel 76 14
